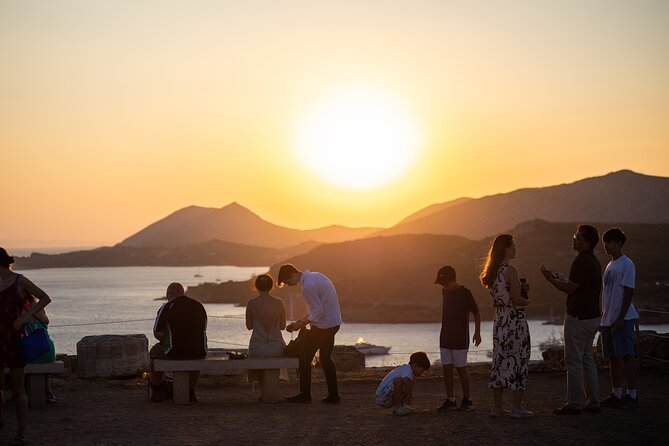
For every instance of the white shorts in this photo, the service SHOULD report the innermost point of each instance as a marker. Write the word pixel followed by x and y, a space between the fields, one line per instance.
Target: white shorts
pixel 456 357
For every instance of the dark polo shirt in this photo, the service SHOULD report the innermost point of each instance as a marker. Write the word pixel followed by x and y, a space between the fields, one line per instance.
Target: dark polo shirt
pixel 586 271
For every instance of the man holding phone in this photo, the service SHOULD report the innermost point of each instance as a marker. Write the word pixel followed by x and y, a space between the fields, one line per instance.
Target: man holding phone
pixel 581 322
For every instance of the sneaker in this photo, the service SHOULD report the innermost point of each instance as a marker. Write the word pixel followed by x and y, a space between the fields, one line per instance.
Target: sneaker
pixel 447 404
pixel 567 410
pixel 158 393
pixel 593 408
pixel 521 412
pixel 611 401
pixel 627 402
pixel 402 410
pixel 466 405
pixel 331 399
pixel 498 412
pixel 300 398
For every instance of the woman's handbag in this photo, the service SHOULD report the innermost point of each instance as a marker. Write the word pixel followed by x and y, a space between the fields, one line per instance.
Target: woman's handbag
pixel 33 339
pixel 33 343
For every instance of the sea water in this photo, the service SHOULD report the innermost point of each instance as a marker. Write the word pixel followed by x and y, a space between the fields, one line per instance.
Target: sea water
pixel 123 300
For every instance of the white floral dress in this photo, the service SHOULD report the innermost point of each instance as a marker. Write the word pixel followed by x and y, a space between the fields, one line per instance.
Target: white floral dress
pixel 510 338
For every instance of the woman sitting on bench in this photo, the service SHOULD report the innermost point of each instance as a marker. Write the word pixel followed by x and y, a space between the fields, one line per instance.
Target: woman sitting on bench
pixel 266 316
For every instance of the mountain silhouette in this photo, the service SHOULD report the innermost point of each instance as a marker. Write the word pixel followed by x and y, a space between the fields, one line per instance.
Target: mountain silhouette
pixel 622 196
pixel 233 223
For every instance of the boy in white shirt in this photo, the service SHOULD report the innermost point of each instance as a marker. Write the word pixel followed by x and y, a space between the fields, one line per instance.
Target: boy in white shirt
pixel 618 317
pixel 396 389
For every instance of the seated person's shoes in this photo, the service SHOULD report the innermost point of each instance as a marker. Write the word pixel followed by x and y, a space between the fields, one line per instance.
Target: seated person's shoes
pixel 158 392
pixel 300 398
pixel 567 410
pixel 50 397
pixel 331 399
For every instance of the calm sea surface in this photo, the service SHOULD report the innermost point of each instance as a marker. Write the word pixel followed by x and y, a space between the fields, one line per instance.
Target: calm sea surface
pixel 121 300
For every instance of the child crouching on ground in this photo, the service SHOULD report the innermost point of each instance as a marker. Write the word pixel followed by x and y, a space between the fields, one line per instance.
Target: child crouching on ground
pixel 396 389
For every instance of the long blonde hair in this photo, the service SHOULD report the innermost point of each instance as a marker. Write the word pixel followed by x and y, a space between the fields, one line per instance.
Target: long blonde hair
pixel 494 259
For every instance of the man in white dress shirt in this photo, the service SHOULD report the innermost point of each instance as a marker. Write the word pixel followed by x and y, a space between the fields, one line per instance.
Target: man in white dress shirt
pixel 324 318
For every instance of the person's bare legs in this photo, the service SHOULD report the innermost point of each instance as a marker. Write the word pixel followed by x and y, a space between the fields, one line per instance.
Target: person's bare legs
pixel 630 371
pixel 616 372
pixel 156 377
pixel 497 398
pixel 20 400
pixel 193 378
pixel 518 398
pixel 402 391
pixel 464 381
pixel 448 380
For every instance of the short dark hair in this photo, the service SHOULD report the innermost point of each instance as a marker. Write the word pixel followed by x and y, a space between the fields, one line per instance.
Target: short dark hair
pixel 614 235
pixel 264 282
pixel 5 259
pixel 445 275
pixel 590 235
pixel 420 359
pixel 285 272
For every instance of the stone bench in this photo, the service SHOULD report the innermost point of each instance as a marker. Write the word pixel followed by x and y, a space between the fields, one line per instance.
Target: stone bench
pixel 37 378
pixel 269 366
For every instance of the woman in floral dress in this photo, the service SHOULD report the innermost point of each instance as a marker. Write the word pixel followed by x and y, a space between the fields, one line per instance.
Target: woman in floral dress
pixel 511 334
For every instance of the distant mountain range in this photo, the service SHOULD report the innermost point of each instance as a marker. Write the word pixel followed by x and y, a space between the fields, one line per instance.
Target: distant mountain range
pixel 213 252
pixel 233 223
pixel 233 235
pixel 623 196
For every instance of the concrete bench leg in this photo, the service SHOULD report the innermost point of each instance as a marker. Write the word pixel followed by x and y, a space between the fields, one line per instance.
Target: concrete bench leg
pixel 180 388
pixel 270 386
pixel 37 389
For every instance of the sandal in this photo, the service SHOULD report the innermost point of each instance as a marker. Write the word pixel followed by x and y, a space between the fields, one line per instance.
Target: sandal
pixel 19 440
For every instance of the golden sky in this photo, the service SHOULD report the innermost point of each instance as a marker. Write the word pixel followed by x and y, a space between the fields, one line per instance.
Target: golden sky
pixel 113 114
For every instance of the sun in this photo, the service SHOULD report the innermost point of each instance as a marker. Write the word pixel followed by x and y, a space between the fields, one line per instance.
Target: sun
pixel 358 139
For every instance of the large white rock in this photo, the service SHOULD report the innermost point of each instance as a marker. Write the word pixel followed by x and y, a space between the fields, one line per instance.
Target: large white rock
pixel 112 355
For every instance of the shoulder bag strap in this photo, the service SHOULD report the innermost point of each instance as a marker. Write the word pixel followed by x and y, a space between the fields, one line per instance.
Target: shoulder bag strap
pixel 18 299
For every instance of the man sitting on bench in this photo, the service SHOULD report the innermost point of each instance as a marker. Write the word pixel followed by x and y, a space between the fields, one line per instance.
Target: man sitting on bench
pixel 181 328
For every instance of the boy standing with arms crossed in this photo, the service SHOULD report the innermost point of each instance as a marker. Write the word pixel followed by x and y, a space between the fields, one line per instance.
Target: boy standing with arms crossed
pixel 458 302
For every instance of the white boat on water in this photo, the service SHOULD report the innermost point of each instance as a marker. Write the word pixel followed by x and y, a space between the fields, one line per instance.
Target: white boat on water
pixel 368 349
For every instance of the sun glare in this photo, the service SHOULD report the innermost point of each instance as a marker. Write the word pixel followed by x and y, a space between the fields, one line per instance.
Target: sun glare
pixel 358 140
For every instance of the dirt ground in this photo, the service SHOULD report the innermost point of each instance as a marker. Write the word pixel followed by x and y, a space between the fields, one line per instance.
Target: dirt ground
pixel 117 412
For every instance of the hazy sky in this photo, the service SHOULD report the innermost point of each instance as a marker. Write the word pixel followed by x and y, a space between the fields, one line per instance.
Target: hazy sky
pixel 114 114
